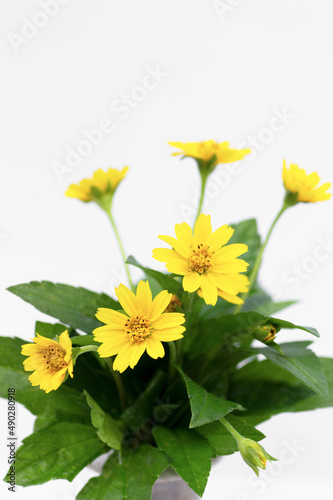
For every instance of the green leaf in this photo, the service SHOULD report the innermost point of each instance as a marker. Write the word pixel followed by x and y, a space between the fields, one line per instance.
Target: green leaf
pixel 288 325
pixel 221 440
pixel 268 308
pixel 164 280
pixel 134 416
pixel 83 340
pixel 109 430
pixel 206 407
pixel 247 232
pixel 130 479
pixel 73 306
pixel 190 455
pixel 49 330
pixel 301 362
pixel 266 389
pixel 63 403
pixel 58 452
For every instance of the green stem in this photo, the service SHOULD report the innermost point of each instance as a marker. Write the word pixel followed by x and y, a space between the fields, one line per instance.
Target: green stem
pixel 118 382
pixel 109 214
pixel 231 429
pixel 173 360
pixel 202 195
pixel 254 273
pixel 77 351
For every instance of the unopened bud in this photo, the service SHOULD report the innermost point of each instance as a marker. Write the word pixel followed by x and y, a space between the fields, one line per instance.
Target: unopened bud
pixel 254 454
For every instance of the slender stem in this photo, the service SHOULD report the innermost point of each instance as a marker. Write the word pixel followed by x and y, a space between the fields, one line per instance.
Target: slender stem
pixel 202 195
pixel 258 260
pixel 118 382
pixel 109 214
pixel 231 429
pixel 173 359
pixel 77 351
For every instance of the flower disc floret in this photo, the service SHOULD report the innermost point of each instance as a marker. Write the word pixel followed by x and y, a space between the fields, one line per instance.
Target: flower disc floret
pixel 143 326
pixel 208 265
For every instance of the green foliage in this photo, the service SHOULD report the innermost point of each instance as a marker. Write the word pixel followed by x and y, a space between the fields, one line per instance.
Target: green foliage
pixel 164 280
pixel 301 362
pixel 189 454
pixel 59 452
pixel 221 441
pixel 247 232
pixel 109 430
pixel 206 407
pixel 72 306
pixel 131 478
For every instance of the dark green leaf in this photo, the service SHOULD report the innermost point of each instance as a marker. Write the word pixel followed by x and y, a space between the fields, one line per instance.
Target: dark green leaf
pixel 132 478
pixel 247 232
pixel 166 282
pixel 266 389
pixel 222 441
pixel 83 340
pixel 58 452
pixel 190 455
pixel 109 430
pixel 73 306
pixel 301 362
pixel 206 407
pixel 134 416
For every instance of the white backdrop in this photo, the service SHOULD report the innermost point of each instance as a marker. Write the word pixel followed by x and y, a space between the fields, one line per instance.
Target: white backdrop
pixel 252 72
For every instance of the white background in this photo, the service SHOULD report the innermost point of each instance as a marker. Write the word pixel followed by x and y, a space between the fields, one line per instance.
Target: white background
pixel 227 72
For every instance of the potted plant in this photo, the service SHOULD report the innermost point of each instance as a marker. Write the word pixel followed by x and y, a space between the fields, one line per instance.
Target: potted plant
pixel 166 377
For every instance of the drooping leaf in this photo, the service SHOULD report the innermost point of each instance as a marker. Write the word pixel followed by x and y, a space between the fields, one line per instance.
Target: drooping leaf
pixel 58 452
pixel 109 430
pixel 206 407
pixel 72 306
pixel 301 362
pixel 166 282
pixel 266 389
pixel 190 455
pixel 220 438
pixel 130 479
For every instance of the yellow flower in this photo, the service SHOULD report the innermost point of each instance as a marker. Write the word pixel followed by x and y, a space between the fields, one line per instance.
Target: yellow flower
pixel 296 180
pixel 142 327
pixel 207 149
pixel 205 262
pixel 100 184
pixel 49 360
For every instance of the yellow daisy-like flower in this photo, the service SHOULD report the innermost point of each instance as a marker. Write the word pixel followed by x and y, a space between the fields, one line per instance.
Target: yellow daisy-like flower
pixel 49 360
pixel 207 149
pixel 206 263
pixel 100 184
pixel 296 180
pixel 142 327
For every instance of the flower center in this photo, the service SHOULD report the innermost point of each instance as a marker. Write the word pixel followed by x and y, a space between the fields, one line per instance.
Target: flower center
pixel 54 358
pixel 201 259
pixel 138 328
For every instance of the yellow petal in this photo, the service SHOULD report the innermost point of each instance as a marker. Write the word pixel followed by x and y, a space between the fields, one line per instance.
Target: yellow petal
pixel 144 298
pixel 203 229
pixel 154 348
pixel 209 291
pixel 191 282
pixel 160 303
pixel 168 320
pixel 111 317
pixel 127 300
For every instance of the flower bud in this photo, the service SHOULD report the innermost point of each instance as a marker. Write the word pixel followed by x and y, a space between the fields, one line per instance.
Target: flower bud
pixel 253 454
pixel 265 333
